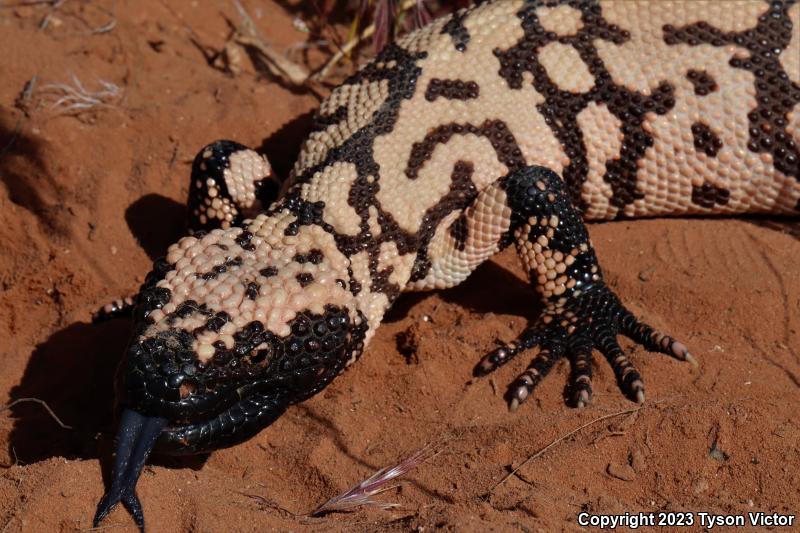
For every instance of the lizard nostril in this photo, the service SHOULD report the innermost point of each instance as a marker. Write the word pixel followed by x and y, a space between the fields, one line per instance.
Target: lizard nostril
pixel 312 345
pixel 187 389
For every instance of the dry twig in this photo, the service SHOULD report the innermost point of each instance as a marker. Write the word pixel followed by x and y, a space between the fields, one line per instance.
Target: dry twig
pixel 352 43
pixel 54 5
pixel 75 98
pixel 40 402
pixel 559 440
pixel 279 65
pixel 270 504
pixel 105 28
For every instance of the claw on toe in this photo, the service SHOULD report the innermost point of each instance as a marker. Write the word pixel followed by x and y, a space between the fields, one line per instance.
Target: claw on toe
pixel 679 350
pixel 519 395
pixel 582 399
pixel 668 345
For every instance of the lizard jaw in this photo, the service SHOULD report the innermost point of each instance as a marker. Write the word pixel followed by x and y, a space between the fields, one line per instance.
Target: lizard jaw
pixel 255 410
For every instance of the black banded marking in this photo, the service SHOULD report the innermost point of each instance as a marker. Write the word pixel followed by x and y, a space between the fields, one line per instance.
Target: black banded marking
pixel 451 89
pixel 705 140
pixel 358 149
pixel 314 257
pixel 457 31
pixel 269 271
pixel 214 323
pixel 776 94
pixel 321 121
pixel 709 195
pixel 230 263
pixel 561 108
pixel 459 232
pixel 304 279
pixel 399 69
pixel 244 238
pixel 495 131
pixel 251 290
pixel 462 192
pixel 462 189
pixel 704 84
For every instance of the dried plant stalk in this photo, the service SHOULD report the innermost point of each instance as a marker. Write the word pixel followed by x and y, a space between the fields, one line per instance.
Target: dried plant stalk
pixel 368 32
pixel 278 64
pixel 40 402
pixel 75 98
pixel 363 492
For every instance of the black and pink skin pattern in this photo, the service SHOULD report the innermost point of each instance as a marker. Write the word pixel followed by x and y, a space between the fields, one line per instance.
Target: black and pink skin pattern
pixel 420 167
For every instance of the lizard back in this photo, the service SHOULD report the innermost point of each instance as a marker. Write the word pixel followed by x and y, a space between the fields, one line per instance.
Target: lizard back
pixel 645 109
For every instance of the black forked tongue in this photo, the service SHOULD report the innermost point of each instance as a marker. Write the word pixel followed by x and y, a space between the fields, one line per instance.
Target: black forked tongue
pixel 137 436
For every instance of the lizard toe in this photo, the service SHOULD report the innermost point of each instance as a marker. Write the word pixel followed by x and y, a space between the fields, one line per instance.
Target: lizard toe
pixel 573 329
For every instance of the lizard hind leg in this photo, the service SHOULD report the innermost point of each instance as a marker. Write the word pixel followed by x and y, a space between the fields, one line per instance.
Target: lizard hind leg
pixel 580 312
pixel 229 183
pixel 472 236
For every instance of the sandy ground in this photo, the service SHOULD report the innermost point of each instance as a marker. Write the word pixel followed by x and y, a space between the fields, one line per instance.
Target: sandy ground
pixel 88 201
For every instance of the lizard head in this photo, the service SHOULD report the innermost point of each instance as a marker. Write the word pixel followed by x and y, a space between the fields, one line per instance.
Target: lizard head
pixel 227 395
pixel 229 330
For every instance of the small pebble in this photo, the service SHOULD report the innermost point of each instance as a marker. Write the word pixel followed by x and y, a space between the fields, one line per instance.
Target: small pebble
pixel 647 273
pixel 623 472
pixel 700 486
pixel 638 462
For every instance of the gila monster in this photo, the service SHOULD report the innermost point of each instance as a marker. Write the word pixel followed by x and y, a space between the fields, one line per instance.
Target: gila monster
pixel 508 122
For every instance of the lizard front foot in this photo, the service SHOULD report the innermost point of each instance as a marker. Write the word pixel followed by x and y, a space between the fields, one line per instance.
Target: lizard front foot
pixel 572 327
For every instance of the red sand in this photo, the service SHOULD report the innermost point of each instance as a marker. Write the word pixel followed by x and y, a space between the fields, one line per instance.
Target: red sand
pixel 86 202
